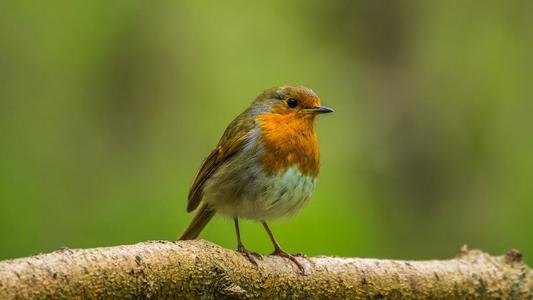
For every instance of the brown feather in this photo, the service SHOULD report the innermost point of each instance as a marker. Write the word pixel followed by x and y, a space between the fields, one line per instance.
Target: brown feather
pixel 203 216
pixel 236 134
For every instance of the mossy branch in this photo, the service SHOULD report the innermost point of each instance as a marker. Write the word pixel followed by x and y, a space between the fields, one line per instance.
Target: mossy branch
pixel 199 269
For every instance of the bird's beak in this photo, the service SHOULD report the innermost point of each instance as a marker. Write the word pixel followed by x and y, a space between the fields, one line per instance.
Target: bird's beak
pixel 320 109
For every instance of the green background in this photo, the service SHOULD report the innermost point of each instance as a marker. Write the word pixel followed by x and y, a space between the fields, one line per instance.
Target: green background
pixel 108 107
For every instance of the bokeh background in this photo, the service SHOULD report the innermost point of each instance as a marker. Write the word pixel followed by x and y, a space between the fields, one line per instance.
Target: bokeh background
pixel 107 109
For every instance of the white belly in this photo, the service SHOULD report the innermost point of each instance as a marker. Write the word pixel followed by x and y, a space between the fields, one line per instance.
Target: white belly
pixel 267 197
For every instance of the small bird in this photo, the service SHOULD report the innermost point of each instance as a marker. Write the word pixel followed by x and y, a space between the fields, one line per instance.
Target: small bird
pixel 264 167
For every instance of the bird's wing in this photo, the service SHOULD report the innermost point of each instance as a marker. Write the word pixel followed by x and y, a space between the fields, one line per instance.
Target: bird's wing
pixel 231 142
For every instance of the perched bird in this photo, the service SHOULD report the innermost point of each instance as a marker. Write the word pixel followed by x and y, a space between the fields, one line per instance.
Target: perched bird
pixel 264 167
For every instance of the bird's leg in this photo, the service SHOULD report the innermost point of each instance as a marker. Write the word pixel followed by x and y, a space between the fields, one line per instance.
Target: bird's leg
pixel 279 252
pixel 240 247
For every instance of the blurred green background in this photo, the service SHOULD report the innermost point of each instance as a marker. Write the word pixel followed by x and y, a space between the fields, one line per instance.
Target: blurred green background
pixel 108 107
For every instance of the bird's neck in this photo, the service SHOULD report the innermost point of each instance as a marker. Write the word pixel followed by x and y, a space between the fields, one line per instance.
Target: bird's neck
pixel 289 141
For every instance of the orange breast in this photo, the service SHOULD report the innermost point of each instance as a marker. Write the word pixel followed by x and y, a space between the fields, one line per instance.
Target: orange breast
pixel 289 141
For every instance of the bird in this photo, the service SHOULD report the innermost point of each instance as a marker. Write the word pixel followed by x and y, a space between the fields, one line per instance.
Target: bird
pixel 264 167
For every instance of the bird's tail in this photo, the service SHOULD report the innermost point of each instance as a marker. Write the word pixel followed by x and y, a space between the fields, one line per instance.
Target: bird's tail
pixel 202 217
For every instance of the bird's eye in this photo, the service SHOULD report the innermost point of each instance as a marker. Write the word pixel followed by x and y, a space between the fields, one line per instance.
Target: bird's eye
pixel 292 103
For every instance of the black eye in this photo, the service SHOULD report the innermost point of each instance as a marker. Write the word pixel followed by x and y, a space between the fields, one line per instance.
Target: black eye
pixel 292 103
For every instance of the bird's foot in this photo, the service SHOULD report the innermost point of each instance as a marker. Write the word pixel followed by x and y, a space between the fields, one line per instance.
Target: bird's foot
pixel 280 252
pixel 251 256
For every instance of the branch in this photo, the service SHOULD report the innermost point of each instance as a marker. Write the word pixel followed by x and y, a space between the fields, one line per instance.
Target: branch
pixel 199 269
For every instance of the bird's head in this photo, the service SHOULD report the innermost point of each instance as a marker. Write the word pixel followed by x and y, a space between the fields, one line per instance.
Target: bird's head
pixel 294 101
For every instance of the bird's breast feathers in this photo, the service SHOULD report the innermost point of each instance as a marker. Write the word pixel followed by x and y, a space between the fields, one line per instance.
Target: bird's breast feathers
pixel 253 194
pixel 284 194
pixel 288 142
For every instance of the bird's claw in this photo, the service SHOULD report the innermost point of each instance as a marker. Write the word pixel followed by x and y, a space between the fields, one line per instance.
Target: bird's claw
pixel 249 255
pixel 280 252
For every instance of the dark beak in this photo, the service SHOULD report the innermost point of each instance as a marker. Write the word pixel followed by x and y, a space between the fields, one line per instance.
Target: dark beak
pixel 321 109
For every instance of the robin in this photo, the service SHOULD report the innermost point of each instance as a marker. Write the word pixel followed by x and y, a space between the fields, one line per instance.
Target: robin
pixel 264 167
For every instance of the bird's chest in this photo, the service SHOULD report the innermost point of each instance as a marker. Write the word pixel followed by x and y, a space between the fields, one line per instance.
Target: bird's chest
pixel 254 194
pixel 288 142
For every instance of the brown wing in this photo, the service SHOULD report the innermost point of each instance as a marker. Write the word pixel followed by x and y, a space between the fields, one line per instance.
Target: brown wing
pixel 231 142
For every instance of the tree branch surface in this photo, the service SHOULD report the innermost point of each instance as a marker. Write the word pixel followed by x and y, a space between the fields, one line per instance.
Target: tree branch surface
pixel 200 269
